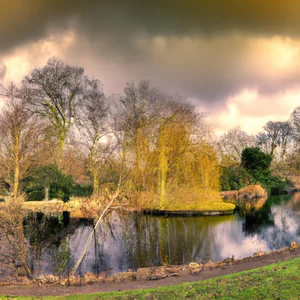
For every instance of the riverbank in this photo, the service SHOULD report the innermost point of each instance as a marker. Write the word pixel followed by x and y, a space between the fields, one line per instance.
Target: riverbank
pixel 78 209
pixel 286 272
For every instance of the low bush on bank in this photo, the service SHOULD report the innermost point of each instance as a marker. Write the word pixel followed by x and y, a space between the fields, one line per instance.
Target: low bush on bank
pixel 252 192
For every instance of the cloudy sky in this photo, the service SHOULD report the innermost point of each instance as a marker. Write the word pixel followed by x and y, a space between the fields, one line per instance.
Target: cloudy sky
pixel 238 61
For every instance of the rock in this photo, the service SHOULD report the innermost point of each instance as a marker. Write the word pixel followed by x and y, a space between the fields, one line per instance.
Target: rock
pixel 41 279
pixel 293 246
pixel 228 260
pixel 173 270
pixel 152 273
pixel 194 265
pixel 258 253
pixel 211 265
pixel 195 268
pixel 75 280
pixel 21 272
pixel 52 279
pixel 127 276
pixel 196 271
pixel 90 277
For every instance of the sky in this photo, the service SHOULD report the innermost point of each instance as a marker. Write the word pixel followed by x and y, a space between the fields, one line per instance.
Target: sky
pixel 238 61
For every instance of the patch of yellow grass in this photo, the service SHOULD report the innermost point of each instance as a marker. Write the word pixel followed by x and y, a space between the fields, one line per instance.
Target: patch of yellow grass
pixel 202 206
pixel 188 199
pixel 44 206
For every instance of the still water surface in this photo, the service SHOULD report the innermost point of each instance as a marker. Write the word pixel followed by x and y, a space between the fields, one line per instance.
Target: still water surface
pixel 128 240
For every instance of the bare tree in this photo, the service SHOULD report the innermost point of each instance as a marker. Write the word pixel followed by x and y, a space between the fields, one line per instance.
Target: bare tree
pixel 54 92
pixel 11 225
pixel 93 127
pixel 19 134
pixel 295 120
pixel 277 134
pixel 234 142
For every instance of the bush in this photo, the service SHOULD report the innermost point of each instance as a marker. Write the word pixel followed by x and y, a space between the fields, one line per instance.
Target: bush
pixel 233 178
pixel 49 176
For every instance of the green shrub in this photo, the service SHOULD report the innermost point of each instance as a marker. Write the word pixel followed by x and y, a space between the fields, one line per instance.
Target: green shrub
pixel 48 176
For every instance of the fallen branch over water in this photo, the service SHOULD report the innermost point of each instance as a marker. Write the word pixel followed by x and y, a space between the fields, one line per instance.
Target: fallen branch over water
pixel 87 244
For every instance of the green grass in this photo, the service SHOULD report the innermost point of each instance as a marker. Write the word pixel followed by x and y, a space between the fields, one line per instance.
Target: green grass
pixel 277 281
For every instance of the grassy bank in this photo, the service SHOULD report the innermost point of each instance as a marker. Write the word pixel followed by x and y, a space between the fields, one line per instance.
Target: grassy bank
pixel 203 200
pixel 79 206
pixel 276 281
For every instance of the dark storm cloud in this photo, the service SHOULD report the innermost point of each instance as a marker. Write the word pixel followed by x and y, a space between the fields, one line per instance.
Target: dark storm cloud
pixel 22 21
pixel 123 31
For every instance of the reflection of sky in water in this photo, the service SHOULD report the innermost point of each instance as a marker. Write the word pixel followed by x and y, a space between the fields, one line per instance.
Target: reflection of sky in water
pixel 130 241
pixel 231 240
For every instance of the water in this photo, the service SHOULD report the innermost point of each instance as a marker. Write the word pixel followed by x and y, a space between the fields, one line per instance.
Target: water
pixel 128 240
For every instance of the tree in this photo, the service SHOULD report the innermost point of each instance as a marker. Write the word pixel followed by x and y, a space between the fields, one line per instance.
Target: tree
pixel 174 137
pixel 20 134
pixel 54 92
pixel 94 121
pixel 256 163
pixel 45 181
pixel 295 120
pixel 135 125
pixel 233 142
pixel 277 134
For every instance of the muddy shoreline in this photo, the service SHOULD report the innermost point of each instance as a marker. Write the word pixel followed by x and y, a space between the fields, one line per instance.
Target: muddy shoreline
pixel 185 275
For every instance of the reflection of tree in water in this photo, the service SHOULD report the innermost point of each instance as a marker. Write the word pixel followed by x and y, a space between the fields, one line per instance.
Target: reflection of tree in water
pixel 138 240
pixel 45 231
pixel 173 240
pixel 262 223
pixel 100 262
pixel 255 221
pixel 132 240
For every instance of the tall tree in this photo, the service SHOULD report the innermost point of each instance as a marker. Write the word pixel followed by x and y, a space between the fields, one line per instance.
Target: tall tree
pixel 93 126
pixel 53 92
pixel 256 163
pixel 233 142
pixel 135 125
pixel 20 135
pixel 276 135
pixel 174 138
pixel 295 120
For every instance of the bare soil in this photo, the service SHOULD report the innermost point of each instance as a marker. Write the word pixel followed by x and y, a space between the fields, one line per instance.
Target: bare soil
pixel 236 266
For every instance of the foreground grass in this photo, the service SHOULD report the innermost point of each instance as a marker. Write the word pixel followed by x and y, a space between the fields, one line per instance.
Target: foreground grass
pixel 277 281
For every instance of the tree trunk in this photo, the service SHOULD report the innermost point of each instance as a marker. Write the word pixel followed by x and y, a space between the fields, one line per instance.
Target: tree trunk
pixel 46 193
pixel 95 182
pixel 163 170
pixel 17 168
pixel 61 143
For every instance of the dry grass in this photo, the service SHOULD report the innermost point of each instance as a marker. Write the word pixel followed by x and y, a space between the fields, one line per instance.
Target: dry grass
pixel 44 206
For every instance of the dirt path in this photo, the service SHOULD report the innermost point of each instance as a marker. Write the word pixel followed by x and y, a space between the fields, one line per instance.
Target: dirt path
pixel 237 266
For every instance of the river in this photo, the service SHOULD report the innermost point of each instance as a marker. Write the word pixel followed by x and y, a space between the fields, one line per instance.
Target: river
pixel 127 240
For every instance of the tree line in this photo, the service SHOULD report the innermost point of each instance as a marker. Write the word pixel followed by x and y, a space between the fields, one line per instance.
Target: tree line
pixel 59 127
